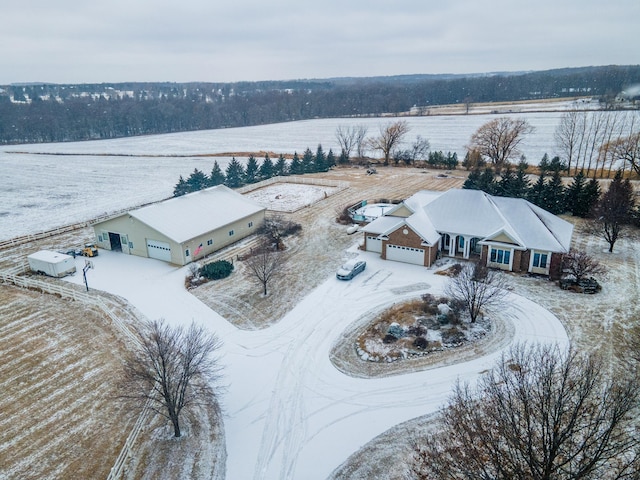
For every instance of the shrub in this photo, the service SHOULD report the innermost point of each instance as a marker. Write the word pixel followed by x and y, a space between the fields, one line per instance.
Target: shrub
pixel 452 336
pixel 420 343
pixel 389 339
pixel 217 270
pixel 396 330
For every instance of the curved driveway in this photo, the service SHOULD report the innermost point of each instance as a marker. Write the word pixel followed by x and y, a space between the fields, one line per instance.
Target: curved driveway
pixel 289 413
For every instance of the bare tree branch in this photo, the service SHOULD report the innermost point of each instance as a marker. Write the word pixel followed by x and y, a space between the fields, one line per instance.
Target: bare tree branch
pixel 390 136
pixel 174 369
pixel 498 140
pixel 264 265
pixel 541 413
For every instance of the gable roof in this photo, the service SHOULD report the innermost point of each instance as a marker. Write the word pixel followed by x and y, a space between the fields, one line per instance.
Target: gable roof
pixel 478 214
pixel 189 216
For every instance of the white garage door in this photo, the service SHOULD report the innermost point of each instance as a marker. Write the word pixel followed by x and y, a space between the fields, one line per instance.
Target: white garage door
pixel 159 250
pixel 374 244
pixel 398 253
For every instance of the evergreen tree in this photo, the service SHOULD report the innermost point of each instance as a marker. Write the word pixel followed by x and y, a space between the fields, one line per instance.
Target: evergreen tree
pixel 296 167
pixel 506 186
pixel 451 162
pixel 197 180
pixel 216 177
pixel 487 181
pixel 543 166
pixel 266 168
pixel 554 195
pixel 522 184
pixel 251 171
pixel 331 159
pixel 592 194
pixel 556 165
pixel 320 160
pixel 537 191
pixel 181 188
pixel 280 168
pixel 343 159
pixel 576 196
pixel 473 180
pixel 234 174
pixel 307 161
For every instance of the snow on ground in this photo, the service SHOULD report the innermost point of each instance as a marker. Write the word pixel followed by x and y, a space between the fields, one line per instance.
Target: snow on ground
pixel 41 192
pixel 289 412
pixel 289 197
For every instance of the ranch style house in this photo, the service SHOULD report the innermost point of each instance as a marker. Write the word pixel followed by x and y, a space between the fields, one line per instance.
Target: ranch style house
pixel 506 233
pixel 182 229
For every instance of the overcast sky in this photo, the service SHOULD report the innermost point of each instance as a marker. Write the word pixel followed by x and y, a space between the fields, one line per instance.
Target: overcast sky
pixel 68 41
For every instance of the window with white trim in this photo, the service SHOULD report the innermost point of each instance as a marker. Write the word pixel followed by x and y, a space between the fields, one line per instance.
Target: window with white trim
pixel 499 255
pixel 540 260
pixel 209 242
pixel 231 232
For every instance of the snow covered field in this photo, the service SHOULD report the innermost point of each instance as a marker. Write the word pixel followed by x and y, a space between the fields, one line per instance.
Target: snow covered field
pixel 41 192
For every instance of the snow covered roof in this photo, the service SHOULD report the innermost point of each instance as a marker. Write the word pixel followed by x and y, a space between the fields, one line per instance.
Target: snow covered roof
pixel 189 216
pixel 478 214
pixel 383 225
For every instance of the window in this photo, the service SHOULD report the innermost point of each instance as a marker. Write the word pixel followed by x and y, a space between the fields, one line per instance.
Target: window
pixel 100 238
pixel 130 244
pixel 209 242
pixel 499 255
pixel 540 260
pixel 231 233
pixel 250 224
pixel 186 252
pixel 461 243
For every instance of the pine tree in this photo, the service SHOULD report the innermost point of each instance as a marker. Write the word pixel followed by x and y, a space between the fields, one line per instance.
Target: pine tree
pixel 521 183
pixel 537 191
pixel 320 160
pixel 331 159
pixel 181 188
pixel 472 181
pixel 592 194
pixel 554 195
pixel 234 174
pixel 487 181
pixel 216 177
pixel 296 167
pixel 506 186
pixel 280 167
pixel 451 162
pixel 344 158
pixel 266 168
pixel 197 180
pixel 251 171
pixel 543 166
pixel 307 162
pixel 576 196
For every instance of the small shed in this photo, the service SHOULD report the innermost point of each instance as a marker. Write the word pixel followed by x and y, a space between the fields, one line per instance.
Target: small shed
pixel 182 229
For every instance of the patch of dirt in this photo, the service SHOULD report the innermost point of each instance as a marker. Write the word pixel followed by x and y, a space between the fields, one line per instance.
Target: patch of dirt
pixel 321 243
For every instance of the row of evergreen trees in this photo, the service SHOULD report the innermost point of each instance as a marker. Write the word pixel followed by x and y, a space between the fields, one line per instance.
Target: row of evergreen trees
pixel 236 174
pixel 548 192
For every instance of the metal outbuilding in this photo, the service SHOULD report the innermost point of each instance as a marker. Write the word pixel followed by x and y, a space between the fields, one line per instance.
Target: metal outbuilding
pixel 182 229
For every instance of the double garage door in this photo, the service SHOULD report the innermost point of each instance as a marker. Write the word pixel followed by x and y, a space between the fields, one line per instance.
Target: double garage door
pixel 399 253
pixel 159 250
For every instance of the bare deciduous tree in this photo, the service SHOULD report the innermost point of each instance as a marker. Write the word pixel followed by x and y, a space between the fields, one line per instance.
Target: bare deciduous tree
pixel 174 369
pixel 498 140
pixel 579 265
pixel 477 287
pixel 626 150
pixel 264 264
pixel 541 413
pixel 390 136
pixel 347 136
pixel 275 228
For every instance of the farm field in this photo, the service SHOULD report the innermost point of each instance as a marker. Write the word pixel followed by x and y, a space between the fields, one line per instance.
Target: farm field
pixel 50 185
pixel 60 360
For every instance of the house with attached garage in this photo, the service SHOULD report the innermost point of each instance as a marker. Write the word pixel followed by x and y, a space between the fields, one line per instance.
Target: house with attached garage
pixel 506 233
pixel 182 229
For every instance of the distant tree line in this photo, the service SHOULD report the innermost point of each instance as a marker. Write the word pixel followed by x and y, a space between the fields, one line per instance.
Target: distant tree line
pixel 236 174
pixel 58 113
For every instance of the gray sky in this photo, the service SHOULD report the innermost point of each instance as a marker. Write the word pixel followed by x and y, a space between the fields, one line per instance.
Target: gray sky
pixel 207 40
